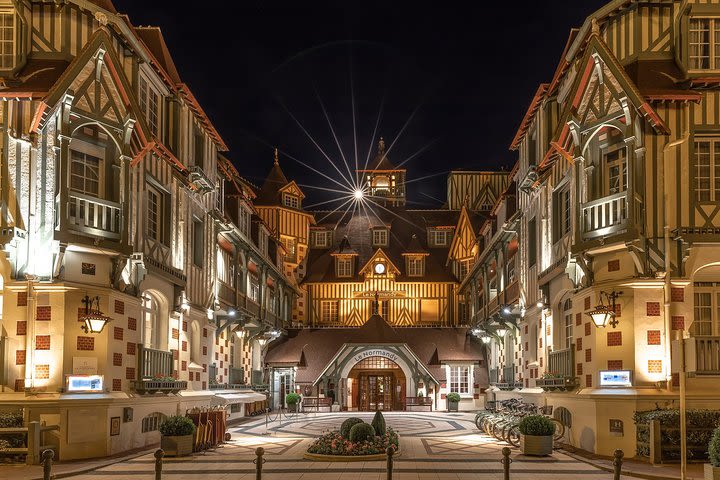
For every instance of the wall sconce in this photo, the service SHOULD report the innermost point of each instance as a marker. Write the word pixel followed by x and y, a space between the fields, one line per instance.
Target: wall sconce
pixel 501 331
pixel 603 314
pixel 94 320
pixel 486 339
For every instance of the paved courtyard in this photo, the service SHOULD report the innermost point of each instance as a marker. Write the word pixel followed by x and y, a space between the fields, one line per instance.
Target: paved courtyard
pixel 433 446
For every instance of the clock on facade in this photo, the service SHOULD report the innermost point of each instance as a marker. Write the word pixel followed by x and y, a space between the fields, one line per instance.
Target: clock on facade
pixel 379 268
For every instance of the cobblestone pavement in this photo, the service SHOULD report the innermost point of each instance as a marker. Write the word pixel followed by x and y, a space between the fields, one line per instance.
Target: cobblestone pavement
pixel 434 445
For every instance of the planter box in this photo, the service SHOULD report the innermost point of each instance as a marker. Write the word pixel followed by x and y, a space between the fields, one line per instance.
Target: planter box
pixel 711 473
pixel 148 387
pixel 563 384
pixel 177 446
pixel 452 406
pixel 536 445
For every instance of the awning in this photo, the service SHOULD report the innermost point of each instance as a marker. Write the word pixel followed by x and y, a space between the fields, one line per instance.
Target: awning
pixel 245 397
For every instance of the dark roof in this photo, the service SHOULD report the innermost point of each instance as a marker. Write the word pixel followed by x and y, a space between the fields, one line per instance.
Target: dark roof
pixel 381 161
pixel 345 248
pixel 35 79
pixel 153 38
pixel 403 225
pixel 660 79
pixel 104 4
pixel 312 349
pixel 269 193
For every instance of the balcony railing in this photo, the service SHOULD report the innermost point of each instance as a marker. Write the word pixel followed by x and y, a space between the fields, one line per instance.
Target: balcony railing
pixel 707 355
pixel 94 216
pixel 561 363
pixel 494 374
pixel 153 362
pixel 604 216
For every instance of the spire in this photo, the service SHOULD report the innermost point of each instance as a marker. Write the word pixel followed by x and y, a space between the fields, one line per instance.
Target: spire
pixel 276 156
pixel 381 146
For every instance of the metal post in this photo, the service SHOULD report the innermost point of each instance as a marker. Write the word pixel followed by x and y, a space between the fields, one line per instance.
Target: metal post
pixel 259 462
pixel 617 463
pixel 47 458
pixel 390 451
pixel 683 407
pixel 159 454
pixel 506 461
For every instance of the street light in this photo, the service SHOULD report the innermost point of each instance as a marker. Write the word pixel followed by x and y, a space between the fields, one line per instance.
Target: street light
pixel 603 314
pixel 501 331
pixel 94 320
pixel 485 339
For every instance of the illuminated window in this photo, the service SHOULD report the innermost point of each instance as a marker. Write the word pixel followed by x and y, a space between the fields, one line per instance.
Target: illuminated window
pixel 254 290
pixel 464 267
pixel 343 266
pixel 416 266
pixel 244 221
pixel 291 201
pixel 561 210
pixel 85 173
pixel 706 321
pixel 150 104
pixel 707 170
pixel 459 379
pixel 704 44
pixel 155 215
pixel 379 237
pixel 321 238
pixel 438 238
pixel 290 246
pixel 329 311
pixel 567 331
pixel 7 39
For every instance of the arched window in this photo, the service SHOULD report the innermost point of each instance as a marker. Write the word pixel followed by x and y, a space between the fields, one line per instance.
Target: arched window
pixel 151 324
pixel 195 342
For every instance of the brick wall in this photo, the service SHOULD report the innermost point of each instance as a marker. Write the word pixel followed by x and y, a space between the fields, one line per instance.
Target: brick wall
pixel 42 342
pixel 614 339
pixel 86 343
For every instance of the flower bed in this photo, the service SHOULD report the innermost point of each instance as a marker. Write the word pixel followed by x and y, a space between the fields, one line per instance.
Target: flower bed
pixel 332 443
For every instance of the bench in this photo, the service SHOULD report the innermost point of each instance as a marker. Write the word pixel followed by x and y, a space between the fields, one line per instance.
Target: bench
pixel 418 403
pixel 317 403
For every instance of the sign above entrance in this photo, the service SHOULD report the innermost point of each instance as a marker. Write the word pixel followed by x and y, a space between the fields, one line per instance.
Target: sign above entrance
pixel 380 293
pixel 376 353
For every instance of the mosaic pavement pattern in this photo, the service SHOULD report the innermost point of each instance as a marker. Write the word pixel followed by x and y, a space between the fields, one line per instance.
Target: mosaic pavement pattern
pixel 434 446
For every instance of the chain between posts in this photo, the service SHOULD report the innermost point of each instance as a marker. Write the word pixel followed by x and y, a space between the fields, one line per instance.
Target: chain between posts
pixel 159 454
pixel 617 463
pixel 47 460
pixel 259 452
pixel 506 461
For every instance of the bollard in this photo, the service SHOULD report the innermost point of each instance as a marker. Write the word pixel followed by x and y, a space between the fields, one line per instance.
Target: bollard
pixel 390 452
pixel 259 462
pixel 506 461
pixel 159 454
pixel 617 463
pixel 47 458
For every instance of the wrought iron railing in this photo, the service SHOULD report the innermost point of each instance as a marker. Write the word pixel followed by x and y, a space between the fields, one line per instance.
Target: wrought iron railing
pixel 561 363
pixel 152 362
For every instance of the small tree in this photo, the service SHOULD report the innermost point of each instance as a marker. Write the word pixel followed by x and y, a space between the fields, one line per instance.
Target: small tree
pixel 378 423
pixel 292 398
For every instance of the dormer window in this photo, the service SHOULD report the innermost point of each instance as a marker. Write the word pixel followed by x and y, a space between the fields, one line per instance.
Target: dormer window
pixel 321 239
pixel 244 220
pixel 379 237
pixel 262 242
pixel 150 104
pixel 439 237
pixel 343 267
pixel 8 31
pixel 291 201
pixel 416 266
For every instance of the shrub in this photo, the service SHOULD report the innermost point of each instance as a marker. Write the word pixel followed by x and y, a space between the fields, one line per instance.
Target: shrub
pixel 333 444
pixel 347 425
pixel 177 426
pixel 11 440
pixel 292 398
pixel 453 397
pixel 378 423
pixel 538 425
pixel 714 448
pixel 361 432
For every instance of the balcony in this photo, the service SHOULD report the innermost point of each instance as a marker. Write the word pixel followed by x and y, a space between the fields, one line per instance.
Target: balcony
pixel 200 180
pixel 94 216
pixel 707 355
pixel 605 216
pixel 155 369
pixel 560 372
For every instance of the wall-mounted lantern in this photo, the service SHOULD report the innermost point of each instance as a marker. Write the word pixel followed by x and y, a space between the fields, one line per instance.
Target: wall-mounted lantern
pixel 94 320
pixel 603 314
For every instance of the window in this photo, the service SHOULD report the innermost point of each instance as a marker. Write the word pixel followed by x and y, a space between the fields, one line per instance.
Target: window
pixel 532 242
pixel 707 170
pixel 254 290
pixel 704 44
pixel 616 167
pixel 152 422
pixel 290 246
pixel 244 220
pixel 272 300
pixel 291 201
pixel 262 242
pixel 438 238
pixel 511 270
pixel 379 237
pixel 460 380
pixel 416 266
pixel 199 144
pixel 329 311
pixel 567 324
pixel 343 266
pixel 706 320
pixel 7 39
pixel 156 215
pixel 85 173
pixel 561 208
pixel 321 239
pixel 150 103
pixel 464 267
pixel 198 246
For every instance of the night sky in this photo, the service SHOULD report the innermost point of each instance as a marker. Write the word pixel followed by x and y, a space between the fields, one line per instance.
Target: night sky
pixel 463 77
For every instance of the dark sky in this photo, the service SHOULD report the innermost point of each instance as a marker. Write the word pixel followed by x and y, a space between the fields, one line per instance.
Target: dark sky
pixel 467 71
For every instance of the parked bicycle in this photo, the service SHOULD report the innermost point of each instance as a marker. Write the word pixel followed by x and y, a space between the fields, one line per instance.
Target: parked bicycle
pixel 500 419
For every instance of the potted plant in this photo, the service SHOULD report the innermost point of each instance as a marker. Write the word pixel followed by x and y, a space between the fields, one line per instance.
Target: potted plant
pixel 177 435
pixel 536 435
pixel 453 400
pixel 291 400
pixel 712 469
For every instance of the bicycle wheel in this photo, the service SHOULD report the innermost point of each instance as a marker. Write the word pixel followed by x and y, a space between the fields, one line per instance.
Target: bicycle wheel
pixel 559 430
pixel 513 436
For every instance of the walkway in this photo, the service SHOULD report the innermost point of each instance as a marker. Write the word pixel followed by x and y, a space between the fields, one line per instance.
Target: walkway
pixel 433 446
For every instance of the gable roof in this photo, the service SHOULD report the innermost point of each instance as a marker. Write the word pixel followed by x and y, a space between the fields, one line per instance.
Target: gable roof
pixel 535 104
pixel 153 39
pixel 269 194
pixel 380 162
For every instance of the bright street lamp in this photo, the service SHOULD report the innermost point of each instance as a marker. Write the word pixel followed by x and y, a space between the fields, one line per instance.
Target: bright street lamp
pixel 358 194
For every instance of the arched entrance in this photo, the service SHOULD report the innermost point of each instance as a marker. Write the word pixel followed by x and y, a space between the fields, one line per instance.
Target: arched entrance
pixel 376 383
